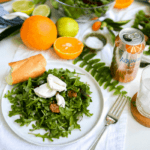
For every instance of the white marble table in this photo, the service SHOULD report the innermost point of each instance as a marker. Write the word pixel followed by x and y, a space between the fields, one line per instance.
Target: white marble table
pixel 137 136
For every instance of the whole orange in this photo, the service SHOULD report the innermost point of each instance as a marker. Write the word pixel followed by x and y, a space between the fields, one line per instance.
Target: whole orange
pixel 38 32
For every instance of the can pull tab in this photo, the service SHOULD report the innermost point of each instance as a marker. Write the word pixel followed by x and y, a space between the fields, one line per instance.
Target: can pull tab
pixel 131 37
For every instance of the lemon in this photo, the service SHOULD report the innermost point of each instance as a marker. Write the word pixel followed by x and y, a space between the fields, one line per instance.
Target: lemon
pixel 67 27
pixel 42 10
pixel 23 6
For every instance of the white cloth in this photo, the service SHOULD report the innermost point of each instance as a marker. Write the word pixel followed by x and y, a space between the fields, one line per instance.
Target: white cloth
pixel 16 14
pixel 23 16
pixel 114 137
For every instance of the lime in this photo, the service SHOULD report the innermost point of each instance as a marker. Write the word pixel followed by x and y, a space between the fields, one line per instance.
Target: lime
pixel 42 10
pixel 67 27
pixel 23 6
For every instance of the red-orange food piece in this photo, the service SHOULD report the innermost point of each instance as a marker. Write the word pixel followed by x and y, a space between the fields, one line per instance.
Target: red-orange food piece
pixel 96 25
pixel 72 94
pixel 94 18
pixel 54 108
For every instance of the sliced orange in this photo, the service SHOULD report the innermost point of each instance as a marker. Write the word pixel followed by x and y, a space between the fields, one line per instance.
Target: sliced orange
pixel 68 47
pixel 135 49
pixel 123 3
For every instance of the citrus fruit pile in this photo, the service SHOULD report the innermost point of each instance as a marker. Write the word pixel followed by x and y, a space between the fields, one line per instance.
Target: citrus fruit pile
pixel 39 32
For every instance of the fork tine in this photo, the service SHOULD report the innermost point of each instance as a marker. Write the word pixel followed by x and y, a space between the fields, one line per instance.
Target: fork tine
pixel 121 108
pixel 119 104
pixel 115 104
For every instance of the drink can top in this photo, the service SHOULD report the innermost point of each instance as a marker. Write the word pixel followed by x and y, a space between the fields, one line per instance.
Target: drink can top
pixel 131 36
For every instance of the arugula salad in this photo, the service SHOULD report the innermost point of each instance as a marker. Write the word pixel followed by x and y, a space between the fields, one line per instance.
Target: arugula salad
pixel 31 107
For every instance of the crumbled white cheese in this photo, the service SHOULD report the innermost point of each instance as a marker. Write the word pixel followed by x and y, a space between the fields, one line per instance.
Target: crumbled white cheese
pixel 50 88
pixel 44 91
pixel 55 83
pixel 140 27
pixel 60 101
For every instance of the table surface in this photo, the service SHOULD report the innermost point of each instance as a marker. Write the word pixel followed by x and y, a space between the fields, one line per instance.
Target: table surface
pixel 137 136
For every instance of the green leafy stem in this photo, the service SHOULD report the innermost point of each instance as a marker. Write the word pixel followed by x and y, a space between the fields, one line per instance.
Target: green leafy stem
pixel 113 26
pixel 147 52
pixel 142 23
pixel 99 71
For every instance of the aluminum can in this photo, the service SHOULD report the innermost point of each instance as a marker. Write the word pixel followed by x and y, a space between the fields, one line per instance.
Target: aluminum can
pixel 128 50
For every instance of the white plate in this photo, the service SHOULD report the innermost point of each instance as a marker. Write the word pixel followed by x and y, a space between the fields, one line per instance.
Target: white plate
pixel 87 123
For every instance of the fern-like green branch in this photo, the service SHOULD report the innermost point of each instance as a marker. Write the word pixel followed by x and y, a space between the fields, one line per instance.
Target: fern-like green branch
pixel 99 71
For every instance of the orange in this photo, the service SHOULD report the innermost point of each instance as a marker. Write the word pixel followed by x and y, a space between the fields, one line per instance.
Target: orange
pixel 96 25
pixel 135 48
pixel 38 32
pixel 68 47
pixel 122 3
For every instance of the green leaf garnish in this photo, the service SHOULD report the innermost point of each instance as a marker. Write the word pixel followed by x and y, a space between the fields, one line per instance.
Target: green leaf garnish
pixel 99 71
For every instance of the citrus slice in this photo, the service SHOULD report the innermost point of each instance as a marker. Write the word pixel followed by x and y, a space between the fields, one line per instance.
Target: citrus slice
pixel 123 3
pixel 135 49
pixel 68 47
pixel 42 10
pixel 23 6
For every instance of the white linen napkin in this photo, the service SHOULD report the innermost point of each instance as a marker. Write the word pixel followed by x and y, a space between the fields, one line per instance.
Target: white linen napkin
pixel 114 137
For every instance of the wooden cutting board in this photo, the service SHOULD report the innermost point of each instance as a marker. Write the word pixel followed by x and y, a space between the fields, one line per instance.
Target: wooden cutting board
pixel 138 117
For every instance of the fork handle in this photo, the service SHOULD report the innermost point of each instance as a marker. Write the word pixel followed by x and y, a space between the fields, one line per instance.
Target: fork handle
pixel 93 146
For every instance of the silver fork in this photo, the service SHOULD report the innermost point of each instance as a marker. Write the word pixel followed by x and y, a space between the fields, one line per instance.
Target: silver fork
pixel 112 116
